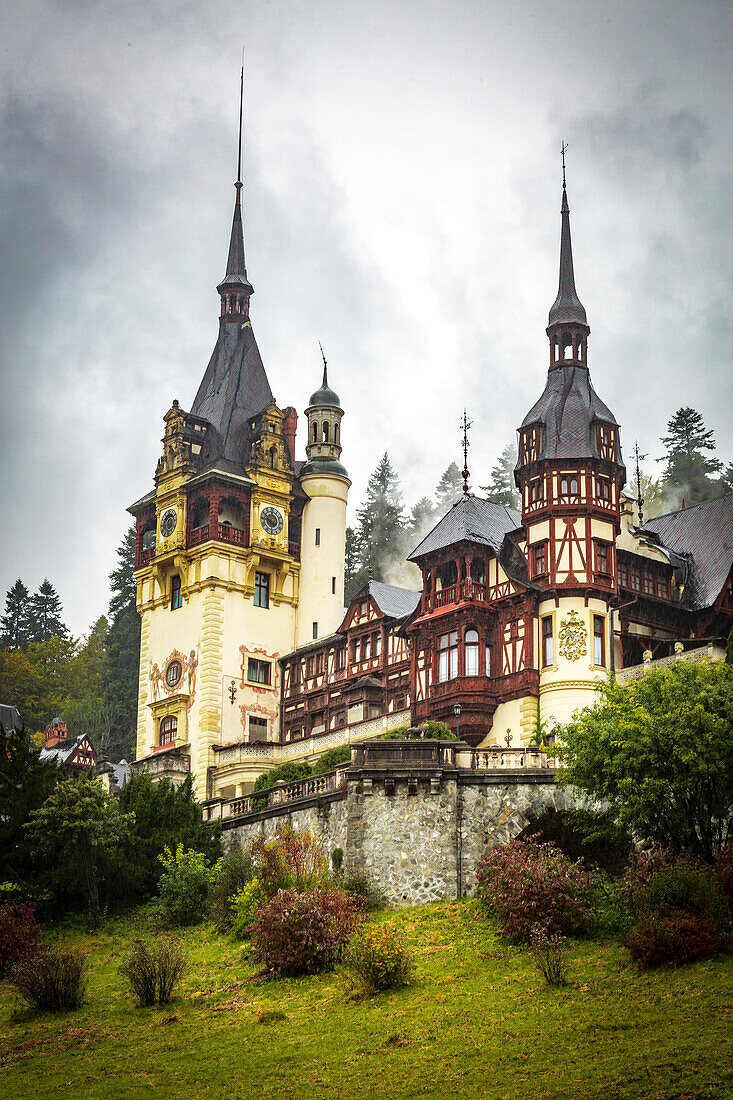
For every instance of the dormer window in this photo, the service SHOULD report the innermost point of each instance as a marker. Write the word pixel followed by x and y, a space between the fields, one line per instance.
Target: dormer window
pixel 531 443
pixel 606 442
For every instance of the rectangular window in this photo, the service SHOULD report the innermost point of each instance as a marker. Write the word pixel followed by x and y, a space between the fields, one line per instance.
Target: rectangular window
pixel 315 631
pixel 258 672
pixel 623 576
pixel 448 656
pixel 603 488
pixel 488 660
pixel 648 584
pixel 540 559
pixel 318 536
pixel 309 665
pixel 662 588
pixel 536 493
pixel 295 675
pixel 356 651
pixel 366 648
pixel 635 580
pixel 257 728
pixel 333 586
pixel 602 558
pixel 599 641
pixel 340 657
pixel 320 657
pixel 547 642
pixel 262 589
pixel 377 645
pixel 176 596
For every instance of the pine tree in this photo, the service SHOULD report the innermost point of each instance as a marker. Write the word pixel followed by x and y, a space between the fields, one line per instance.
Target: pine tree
pixel 380 520
pixel 123 652
pixel 449 489
pixel 501 488
pixel 687 474
pixel 422 519
pixel 44 614
pixel 14 623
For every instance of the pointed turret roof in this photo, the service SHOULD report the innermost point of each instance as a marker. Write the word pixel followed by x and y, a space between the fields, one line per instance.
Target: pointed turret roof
pixel 236 273
pixel 567 307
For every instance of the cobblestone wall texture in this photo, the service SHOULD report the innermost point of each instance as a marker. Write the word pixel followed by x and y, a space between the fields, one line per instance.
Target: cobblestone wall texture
pixel 419 841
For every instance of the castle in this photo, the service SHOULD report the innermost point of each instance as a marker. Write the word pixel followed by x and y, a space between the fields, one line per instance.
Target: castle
pixel 248 657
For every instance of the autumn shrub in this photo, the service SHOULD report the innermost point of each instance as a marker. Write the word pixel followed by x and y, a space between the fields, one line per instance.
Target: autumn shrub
pixel 20 936
pixel 153 970
pixel 303 932
pixel 681 915
pixel 186 885
pixel 292 858
pixel 549 952
pixel 377 960
pixel 244 906
pixel 723 871
pixel 526 884
pixel 234 871
pixel 53 981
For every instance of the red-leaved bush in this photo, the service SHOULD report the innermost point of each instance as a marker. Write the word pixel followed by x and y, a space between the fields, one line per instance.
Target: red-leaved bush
pixel 671 937
pixel 724 873
pixel 20 936
pixel 303 933
pixel 526 885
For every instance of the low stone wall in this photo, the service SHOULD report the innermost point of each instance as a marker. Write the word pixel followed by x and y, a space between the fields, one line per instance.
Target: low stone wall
pixel 417 825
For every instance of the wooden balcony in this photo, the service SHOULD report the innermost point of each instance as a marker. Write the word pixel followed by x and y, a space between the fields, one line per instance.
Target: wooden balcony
pixel 221 532
pixel 465 591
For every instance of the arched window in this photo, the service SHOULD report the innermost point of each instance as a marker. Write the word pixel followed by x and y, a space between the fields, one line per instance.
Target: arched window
pixel 471 650
pixel 315 431
pixel 336 432
pixel 168 727
pixel 448 656
pixel 271 458
pixel 326 429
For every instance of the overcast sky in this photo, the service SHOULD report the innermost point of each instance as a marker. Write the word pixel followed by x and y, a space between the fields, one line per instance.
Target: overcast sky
pixel 402 197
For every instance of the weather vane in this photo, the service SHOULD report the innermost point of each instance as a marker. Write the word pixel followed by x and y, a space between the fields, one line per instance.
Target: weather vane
pixel 465 425
pixel 638 457
pixel 563 150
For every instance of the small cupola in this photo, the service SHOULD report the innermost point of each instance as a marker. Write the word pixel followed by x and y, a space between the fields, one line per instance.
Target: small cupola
pixel 324 415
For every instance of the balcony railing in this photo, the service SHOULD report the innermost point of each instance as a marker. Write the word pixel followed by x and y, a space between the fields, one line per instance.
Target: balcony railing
pixel 462 592
pixel 222 532
pixel 315 787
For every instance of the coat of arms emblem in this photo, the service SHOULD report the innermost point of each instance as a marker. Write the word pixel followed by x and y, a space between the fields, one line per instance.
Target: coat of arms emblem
pixel 572 637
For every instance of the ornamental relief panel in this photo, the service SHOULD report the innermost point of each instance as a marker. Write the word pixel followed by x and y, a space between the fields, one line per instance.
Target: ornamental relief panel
pixel 572 638
pixel 178 674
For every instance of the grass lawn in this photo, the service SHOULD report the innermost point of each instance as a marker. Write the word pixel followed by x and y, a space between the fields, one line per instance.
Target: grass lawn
pixel 478 1022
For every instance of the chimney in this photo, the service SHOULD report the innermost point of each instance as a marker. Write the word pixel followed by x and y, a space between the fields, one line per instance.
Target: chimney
pixel 290 425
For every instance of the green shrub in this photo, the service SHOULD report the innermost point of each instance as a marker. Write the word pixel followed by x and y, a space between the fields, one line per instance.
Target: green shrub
pixel 377 960
pixel 51 982
pixel 290 772
pixel 185 886
pixel 337 862
pixel 610 916
pixel 331 759
pixel 244 906
pixel 434 731
pixel 235 870
pixel 153 970
pixel 682 915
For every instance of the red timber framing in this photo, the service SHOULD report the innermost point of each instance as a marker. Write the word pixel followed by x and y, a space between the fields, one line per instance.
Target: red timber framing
pixel 360 673
pixel 471 639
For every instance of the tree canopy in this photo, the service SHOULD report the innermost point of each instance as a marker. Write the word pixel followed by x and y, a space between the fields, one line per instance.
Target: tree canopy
pixel 26 781
pixel 501 488
pixel 660 751
pixel 688 471
pixel 449 489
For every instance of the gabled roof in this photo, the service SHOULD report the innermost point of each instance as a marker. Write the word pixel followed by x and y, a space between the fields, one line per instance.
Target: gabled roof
pixel 9 717
pixel 471 519
pixel 704 534
pixel 392 601
pixel 233 391
pixel 64 750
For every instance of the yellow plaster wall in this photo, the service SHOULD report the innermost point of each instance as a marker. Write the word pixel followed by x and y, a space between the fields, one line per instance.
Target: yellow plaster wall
pixel 567 684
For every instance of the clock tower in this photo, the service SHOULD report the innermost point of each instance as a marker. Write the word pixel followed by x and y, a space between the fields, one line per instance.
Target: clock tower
pixel 221 566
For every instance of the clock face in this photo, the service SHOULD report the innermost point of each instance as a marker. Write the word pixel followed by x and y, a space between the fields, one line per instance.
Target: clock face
pixel 168 523
pixel 271 520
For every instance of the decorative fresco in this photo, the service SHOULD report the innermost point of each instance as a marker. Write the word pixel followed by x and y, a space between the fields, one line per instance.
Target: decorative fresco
pixel 177 674
pixel 572 637
pixel 260 679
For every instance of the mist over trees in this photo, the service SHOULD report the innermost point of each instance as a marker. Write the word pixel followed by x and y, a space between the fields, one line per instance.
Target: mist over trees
pixel 502 488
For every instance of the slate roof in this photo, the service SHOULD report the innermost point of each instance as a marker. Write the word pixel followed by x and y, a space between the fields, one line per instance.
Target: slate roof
pixel 471 519
pixel 567 307
pixel 392 601
pixel 233 391
pixel 63 751
pixel 9 717
pixel 236 274
pixel 703 534
pixel 568 410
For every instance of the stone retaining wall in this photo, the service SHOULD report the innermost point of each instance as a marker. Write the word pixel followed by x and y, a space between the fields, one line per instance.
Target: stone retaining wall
pixel 418 834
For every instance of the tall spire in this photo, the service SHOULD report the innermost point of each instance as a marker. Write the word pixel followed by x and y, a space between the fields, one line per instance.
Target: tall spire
pixel 235 288
pixel 567 308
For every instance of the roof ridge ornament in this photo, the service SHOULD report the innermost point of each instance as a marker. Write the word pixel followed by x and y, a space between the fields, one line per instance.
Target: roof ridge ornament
pixel 465 425
pixel 325 366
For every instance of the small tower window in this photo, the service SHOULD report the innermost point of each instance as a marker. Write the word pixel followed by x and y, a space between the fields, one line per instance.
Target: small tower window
pixel 315 431
pixel 547 646
pixel 262 590
pixel 176 594
pixel 599 641
pixel 318 536
pixel 315 631
pixel 336 432
pixel 326 431
pixel 333 586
